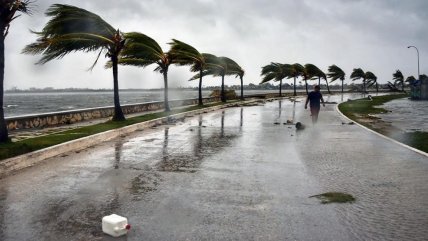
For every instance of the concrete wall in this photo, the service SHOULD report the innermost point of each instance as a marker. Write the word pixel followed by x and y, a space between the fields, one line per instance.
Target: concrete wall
pixel 70 117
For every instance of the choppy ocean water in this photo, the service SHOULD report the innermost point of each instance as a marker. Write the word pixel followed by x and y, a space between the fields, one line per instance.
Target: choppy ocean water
pixel 18 104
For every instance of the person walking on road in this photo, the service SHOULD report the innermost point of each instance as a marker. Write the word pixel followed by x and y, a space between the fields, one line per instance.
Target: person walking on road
pixel 314 98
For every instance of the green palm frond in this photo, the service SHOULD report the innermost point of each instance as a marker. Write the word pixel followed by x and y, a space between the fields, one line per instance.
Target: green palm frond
pixel 358 73
pixel 371 78
pixel 185 54
pixel 9 8
pixel 275 71
pixel 74 29
pixel 335 73
pixel 398 77
pixel 411 79
pixel 312 72
pixel 296 70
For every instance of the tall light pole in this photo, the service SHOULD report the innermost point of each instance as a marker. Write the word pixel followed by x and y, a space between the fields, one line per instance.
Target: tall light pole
pixel 417 51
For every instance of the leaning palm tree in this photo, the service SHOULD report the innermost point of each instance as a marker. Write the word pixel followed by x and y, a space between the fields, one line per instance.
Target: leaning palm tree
pixel 142 51
pixel 184 54
pixel 231 68
pixel 241 74
pixel 73 29
pixel 315 72
pixel 335 73
pixel 8 10
pixel 310 72
pixel 372 80
pixel 276 72
pixel 296 70
pixel 411 80
pixel 359 74
pixel 215 67
pixel 398 79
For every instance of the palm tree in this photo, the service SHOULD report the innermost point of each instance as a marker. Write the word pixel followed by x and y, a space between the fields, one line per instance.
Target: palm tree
pixel 315 72
pixel 335 73
pixel 75 29
pixel 372 80
pixel 142 51
pixel 184 54
pixel 276 72
pixel 231 68
pixel 241 74
pixel 398 79
pixel 411 79
pixel 8 10
pixel 296 70
pixel 213 66
pixel 359 74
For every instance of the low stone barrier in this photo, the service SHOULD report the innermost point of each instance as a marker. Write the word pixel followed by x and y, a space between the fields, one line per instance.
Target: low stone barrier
pixel 70 117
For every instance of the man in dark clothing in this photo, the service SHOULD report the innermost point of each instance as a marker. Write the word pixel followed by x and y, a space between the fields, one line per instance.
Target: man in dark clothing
pixel 314 98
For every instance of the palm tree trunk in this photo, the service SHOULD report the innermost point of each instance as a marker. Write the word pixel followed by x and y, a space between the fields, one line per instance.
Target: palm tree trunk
pixel 242 87
pixel 319 81
pixel 3 128
pixel 165 90
pixel 294 86
pixel 280 88
pixel 118 113
pixel 364 86
pixel 342 86
pixel 402 86
pixel 377 88
pixel 223 96
pixel 200 102
pixel 328 88
pixel 306 84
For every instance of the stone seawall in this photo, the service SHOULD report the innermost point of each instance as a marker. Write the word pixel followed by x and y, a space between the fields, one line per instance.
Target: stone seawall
pixel 70 117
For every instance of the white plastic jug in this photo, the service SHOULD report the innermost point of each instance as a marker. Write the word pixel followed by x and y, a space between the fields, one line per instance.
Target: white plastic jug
pixel 115 225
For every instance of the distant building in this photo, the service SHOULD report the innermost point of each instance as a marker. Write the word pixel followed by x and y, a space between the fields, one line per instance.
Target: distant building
pixel 419 88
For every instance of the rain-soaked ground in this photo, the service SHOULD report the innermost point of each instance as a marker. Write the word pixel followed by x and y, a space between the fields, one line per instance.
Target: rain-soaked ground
pixel 231 174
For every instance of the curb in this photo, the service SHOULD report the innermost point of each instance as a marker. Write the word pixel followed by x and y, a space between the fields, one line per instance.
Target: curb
pixel 381 135
pixel 14 164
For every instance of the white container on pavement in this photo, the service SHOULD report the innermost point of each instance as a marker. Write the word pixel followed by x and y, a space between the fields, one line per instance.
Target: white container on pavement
pixel 115 225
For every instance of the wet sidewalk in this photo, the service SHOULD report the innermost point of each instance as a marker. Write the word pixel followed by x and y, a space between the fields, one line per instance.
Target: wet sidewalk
pixel 232 174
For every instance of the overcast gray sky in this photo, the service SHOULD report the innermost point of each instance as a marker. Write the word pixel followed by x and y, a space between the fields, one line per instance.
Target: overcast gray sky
pixel 372 35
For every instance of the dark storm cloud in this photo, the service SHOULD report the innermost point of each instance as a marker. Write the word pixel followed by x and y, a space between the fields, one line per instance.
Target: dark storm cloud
pixel 372 35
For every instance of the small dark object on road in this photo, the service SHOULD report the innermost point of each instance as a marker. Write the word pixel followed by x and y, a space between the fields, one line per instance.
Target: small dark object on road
pixel 276 123
pixel 351 123
pixel 369 97
pixel 300 126
pixel 335 197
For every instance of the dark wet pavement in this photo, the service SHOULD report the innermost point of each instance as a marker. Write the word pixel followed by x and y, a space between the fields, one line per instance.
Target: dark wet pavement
pixel 227 175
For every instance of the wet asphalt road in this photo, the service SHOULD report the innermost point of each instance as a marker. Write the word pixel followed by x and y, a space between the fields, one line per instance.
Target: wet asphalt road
pixel 227 175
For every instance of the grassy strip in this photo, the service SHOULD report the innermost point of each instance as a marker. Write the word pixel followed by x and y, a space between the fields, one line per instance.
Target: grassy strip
pixel 12 149
pixel 361 109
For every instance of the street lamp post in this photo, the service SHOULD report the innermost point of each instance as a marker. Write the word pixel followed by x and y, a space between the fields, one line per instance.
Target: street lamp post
pixel 417 51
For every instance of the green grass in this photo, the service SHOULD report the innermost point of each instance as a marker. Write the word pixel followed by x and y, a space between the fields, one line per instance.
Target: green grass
pixel 363 108
pixel 12 149
pixel 335 197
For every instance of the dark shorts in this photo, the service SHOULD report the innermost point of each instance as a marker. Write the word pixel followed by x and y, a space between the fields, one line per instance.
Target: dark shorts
pixel 315 110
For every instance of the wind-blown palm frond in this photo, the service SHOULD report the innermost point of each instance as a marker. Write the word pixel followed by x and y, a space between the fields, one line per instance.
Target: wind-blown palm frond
pixel 73 29
pixel 311 71
pixel 411 79
pixel 371 78
pixel 335 73
pixel 276 72
pixel 185 54
pixel 398 78
pixel 357 74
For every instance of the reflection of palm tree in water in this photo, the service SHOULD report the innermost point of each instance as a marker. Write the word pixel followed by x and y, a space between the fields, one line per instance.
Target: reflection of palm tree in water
pixel 165 145
pixel 241 122
pixel 280 109
pixel 117 153
pixel 222 124
pixel 294 111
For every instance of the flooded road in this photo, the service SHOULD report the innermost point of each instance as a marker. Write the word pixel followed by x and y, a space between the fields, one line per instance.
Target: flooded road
pixel 234 174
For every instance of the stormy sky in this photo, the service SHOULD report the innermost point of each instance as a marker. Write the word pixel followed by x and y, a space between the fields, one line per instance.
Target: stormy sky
pixel 372 35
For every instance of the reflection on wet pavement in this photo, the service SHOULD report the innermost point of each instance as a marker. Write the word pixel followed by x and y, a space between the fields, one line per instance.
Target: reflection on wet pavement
pixel 231 174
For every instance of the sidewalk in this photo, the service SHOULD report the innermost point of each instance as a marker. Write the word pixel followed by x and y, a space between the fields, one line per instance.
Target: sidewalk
pixel 232 174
